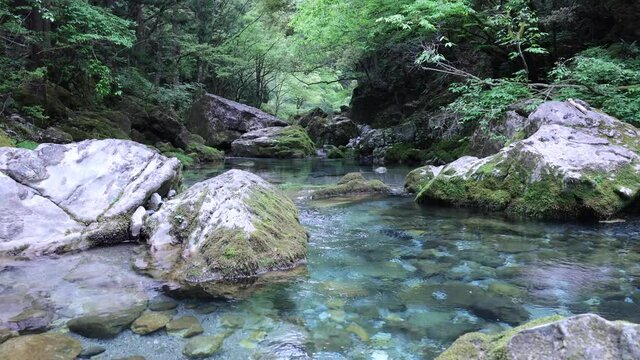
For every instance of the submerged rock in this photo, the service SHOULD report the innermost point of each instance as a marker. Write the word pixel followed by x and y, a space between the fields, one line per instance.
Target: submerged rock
pixel 59 198
pixel 104 325
pixel 221 121
pixel 275 142
pixel 575 163
pixel 43 346
pixel 185 327
pixel 231 227
pixel 201 347
pixel 352 184
pixel 150 321
pixel 587 337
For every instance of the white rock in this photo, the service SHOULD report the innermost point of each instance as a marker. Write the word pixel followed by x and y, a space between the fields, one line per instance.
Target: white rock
pixel 137 219
pixel 96 184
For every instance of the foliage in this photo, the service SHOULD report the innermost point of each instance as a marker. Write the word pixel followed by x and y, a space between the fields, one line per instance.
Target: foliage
pixel 482 103
pixel 606 78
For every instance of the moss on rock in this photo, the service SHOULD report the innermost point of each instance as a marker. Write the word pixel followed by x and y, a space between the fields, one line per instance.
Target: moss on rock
pixel 576 170
pixel 352 184
pixel 5 140
pixel 477 346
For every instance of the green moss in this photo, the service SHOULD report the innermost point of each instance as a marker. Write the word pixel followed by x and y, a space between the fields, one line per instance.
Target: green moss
pixel 352 184
pixel 506 184
pixel 27 144
pixel 447 150
pixel 293 141
pixel 278 241
pixel 404 154
pixel 417 179
pixel 186 160
pixel 5 140
pixel 93 125
pixel 205 153
pixel 475 346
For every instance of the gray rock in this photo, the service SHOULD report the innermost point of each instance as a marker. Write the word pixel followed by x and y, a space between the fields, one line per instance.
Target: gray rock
pixel 587 337
pixel 91 350
pixel 137 219
pixel 162 303
pixel 105 325
pixel 201 347
pixel 154 202
pixel 150 321
pixel 210 232
pixel 337 131
pixel 221 121
pixel 77 195
pixel 54 135
pixel 373 144
pixel 33 320
pixel 381 170
pixel 577 163
pixel 274 142
pixel 185 327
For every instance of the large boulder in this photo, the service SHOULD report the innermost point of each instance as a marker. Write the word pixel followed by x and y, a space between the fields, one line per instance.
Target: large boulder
pixel 373 144
pixel 587 337
pixel 232 227
pixel 221 121
pixel 59 198
pixel 574 162
pixel 274 142
pixel 337 131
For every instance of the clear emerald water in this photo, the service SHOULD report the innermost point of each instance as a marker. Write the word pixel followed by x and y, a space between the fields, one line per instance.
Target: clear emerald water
pixel 385 278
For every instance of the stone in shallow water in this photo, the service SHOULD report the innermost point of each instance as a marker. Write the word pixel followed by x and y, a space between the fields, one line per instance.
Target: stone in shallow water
pixel 31 321
pixel 43 346
pixel 587 337
pixel 232 321
pixel 201 347
pixel 91 350
pixel 150 321
pixel 162 303
pixel 359 331
pixel 186 327
pixel 104 326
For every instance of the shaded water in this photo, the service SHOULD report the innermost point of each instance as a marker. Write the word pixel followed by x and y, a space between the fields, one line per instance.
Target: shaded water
pixel 385 279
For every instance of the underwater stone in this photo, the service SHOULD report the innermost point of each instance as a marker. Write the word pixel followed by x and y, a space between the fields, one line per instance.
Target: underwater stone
pixel 201 347
pixel 186 327
pixel 42 346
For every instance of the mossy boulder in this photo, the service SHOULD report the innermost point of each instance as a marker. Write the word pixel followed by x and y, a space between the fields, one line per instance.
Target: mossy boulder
pixel 352 184
pixel 587 337
pixel 419 177
pixel 224 230
pixel 576 163
pixel 220 121
pixel 97 125
pixel 275 142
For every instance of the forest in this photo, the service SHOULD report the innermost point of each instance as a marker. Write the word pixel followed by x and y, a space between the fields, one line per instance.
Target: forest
pixel 319 179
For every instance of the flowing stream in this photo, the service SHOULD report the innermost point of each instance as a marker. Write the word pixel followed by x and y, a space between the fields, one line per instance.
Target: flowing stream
pixel 385 278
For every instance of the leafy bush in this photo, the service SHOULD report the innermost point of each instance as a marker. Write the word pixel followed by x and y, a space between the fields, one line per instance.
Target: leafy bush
pixel 606 78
